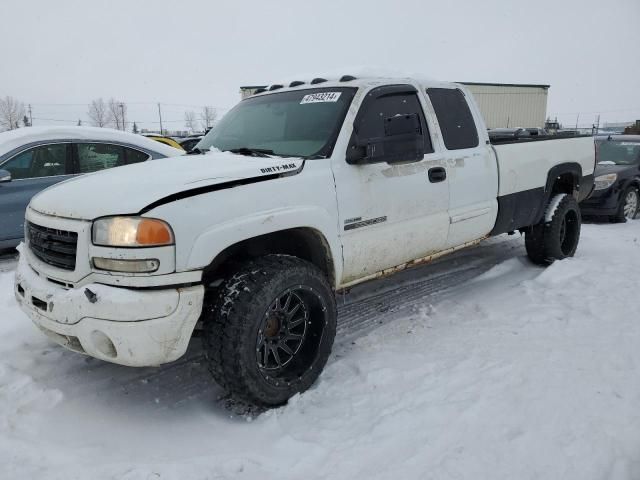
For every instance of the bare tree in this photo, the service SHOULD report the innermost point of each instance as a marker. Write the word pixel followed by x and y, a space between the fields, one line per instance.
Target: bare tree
pixel 117 113
pixel 208 117
pixel 98 113
pixel 11 112
pixel 190 121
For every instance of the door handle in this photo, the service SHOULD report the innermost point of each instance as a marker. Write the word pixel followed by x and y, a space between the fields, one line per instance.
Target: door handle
pixel 437 174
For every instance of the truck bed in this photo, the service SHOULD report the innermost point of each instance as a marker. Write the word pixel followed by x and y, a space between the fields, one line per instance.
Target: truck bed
pixel 520 161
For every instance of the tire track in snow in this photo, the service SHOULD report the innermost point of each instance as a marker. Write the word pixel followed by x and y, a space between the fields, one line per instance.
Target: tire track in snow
pixel 418 287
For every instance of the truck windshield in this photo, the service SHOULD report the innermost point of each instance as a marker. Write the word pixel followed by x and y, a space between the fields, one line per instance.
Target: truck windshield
pixel 300 123
pixel 620 153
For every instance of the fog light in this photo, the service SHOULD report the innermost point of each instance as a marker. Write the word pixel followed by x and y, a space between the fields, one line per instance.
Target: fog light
pixel 103 344
pixel 128 266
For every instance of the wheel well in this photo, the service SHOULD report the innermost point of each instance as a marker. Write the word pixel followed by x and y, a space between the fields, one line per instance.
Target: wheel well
pixel 305 243
pixel 563 178
pixel 564 183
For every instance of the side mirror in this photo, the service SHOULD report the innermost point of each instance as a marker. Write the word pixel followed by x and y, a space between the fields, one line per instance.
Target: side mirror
pixel 5 176
pixel 402 142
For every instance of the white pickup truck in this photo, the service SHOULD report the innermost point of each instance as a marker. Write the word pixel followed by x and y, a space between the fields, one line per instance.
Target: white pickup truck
pixel 298 192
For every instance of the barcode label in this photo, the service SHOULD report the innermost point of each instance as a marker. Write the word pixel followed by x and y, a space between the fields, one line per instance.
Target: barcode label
pixel 321 97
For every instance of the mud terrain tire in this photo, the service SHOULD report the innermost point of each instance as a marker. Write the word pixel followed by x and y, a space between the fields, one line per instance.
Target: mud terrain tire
pixel 269 329
pixel 557 236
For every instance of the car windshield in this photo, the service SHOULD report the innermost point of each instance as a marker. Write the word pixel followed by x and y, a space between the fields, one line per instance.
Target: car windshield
pixel 301 123
pixel 620 153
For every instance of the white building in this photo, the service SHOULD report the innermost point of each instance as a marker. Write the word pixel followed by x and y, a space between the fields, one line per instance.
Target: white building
pixel 506 105
pixel 502 105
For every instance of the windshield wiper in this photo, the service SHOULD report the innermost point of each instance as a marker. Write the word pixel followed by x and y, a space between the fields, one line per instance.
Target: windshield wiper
pixel 195 151
pixel 252 152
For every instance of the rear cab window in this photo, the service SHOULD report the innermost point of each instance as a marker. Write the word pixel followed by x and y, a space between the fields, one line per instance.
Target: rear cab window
pixel 458 128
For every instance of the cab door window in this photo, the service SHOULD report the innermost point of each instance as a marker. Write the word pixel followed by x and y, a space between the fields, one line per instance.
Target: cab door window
pixel 41 161
pixel 376 109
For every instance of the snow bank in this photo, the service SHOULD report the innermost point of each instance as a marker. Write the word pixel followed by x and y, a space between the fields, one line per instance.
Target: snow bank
pixel 521 373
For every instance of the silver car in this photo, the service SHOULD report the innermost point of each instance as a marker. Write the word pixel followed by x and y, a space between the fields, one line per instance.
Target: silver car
pixel 34 158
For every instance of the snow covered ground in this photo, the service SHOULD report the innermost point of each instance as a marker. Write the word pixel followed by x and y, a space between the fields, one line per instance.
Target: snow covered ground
pixel 512 372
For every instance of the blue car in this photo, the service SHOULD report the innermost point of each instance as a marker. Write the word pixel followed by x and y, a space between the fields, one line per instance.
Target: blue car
pixel 34 158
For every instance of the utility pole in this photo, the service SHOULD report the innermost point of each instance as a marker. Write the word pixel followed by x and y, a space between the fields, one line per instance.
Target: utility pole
pixel 160 115
pixel 577 118
pixel 30 118
pixel 122 115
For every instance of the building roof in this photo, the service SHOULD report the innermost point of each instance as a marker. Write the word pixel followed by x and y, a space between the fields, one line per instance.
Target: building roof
pixel 506 84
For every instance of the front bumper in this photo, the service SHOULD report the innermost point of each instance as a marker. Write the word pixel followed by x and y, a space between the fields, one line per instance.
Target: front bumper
pixel 601 202
pixel 125 326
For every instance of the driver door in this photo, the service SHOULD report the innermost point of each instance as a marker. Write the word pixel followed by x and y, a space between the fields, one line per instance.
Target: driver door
pixel 390 213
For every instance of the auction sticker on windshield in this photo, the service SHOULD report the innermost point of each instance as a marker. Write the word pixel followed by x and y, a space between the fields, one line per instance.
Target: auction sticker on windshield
pixel 321 97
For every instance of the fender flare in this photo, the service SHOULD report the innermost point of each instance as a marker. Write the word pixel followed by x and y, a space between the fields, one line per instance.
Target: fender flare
pixel 575 169
pixel 218 238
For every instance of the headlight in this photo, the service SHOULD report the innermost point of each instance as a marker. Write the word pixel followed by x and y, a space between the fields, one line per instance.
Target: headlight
pixel 605 181
pixel 131 232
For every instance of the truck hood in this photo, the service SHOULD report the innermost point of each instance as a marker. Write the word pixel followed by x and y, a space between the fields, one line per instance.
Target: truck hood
pixel 133 188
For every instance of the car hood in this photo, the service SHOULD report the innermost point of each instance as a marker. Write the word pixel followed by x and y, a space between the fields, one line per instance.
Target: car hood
pixel 134 188
pixel 605 168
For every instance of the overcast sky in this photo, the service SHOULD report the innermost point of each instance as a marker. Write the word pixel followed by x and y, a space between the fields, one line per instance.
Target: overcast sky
pixel 188 53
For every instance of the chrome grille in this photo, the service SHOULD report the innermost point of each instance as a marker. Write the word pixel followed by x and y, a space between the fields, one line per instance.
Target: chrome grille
pixel 55 247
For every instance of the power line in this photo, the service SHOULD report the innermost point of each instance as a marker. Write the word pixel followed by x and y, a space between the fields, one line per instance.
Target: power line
pixel 127 122
pixel 129 103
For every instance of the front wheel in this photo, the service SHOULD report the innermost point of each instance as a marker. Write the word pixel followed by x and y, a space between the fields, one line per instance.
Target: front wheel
pixel 557 236
pixel 628 208
pixel 270 329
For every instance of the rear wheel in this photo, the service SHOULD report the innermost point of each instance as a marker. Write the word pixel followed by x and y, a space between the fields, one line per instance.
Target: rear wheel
pixel 269 330
pixel 628 208
pixel 558 235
